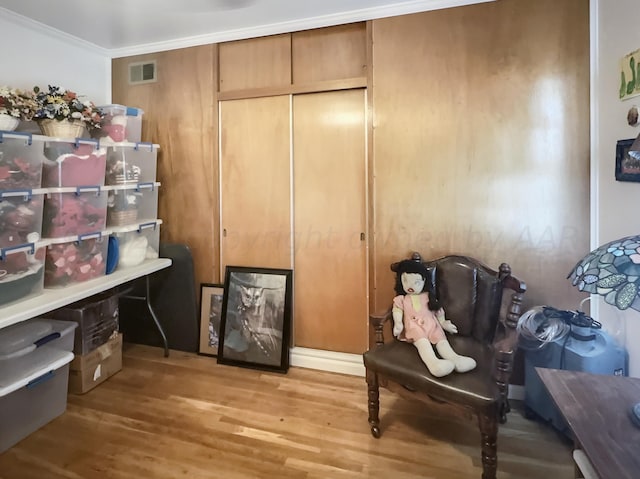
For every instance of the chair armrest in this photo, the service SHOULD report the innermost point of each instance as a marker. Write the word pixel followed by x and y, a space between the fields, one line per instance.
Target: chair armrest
pixel 377 322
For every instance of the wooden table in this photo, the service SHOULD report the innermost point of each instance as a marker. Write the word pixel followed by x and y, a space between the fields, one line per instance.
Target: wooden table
pixel 596 407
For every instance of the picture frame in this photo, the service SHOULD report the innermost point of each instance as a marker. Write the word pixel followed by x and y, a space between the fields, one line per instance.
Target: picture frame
pixel 255 331
pixel 627 167
pixel 211 299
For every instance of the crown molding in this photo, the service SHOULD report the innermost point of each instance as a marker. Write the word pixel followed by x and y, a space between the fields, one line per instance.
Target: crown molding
pixel 31 24
pixel 404 8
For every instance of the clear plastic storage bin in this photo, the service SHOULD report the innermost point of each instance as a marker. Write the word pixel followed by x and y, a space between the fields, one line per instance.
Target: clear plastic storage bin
pixel 34 374
pixel 131 163
pixel 132 204
pixel 74 211
pixel 137 243
pixel 20 216
pixel 21 271
pixel 121 123
pixel 73 163
pixel 21 157
pixel 76 259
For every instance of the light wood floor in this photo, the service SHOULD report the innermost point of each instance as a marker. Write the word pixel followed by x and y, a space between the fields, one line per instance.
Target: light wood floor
pixel 187 417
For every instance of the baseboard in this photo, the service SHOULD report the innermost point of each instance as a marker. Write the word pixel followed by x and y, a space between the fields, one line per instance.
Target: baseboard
pixel 332 361
pixel 351 364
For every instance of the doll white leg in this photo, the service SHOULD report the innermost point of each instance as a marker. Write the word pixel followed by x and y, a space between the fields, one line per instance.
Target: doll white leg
pixel 462 363
pixel 436 366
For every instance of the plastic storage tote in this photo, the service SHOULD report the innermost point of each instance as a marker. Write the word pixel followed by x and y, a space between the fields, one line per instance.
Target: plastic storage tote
pixel 75 259
pixel 137 243
pixel 21 157
pixel 34 374
pixel 73 163
pixel 74 211
pixel 131 163
pixel 20 216
pixel 21 271
pixel 120 123
pixel 132 204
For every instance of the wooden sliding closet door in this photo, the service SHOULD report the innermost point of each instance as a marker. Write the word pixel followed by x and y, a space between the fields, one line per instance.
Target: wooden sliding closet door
pixel 330 278
pixel 255 183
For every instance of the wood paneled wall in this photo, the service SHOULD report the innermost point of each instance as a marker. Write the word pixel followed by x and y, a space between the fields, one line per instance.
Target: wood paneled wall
pixel 255 63
pixel 180 114
pixel 328 54
pixel 479 142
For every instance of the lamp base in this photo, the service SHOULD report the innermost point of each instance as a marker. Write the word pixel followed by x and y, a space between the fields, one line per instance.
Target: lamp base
pixel 635 414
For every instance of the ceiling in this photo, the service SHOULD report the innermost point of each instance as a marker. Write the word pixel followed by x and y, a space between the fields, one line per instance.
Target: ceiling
pixel 135 26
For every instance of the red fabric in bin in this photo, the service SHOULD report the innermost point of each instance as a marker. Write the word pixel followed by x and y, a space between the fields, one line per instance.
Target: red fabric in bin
pixel 77 169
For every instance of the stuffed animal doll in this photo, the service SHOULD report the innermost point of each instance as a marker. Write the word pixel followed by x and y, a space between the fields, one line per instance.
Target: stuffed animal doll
pixel 419 319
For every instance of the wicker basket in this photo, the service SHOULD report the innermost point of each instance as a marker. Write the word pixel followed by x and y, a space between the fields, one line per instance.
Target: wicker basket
pixel 121 218
pixel 62 128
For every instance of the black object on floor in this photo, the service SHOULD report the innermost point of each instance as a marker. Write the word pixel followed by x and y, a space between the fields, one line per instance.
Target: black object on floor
pixel 173 299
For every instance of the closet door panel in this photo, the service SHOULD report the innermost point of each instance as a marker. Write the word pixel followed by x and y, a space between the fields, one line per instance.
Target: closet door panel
pixel 255 183
pixel 330 282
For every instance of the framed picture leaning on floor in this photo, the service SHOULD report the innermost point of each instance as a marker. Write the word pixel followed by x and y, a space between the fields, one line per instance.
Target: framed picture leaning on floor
pixel 255 330
pixel 211 296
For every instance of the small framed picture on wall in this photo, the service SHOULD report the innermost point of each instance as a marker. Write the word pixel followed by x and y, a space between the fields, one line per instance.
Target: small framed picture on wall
pixel 627 161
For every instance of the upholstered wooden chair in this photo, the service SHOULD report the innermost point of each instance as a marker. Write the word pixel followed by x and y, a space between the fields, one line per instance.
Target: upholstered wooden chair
pixel 472 297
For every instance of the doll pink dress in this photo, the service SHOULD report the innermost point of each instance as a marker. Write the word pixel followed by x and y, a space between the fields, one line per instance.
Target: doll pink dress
pixel 418 323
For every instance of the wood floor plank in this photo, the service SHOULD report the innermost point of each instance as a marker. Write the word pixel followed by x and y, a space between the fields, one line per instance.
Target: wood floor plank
pixel 186 416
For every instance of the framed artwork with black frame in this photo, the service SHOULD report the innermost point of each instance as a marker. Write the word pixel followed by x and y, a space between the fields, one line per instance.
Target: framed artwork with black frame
pixel 211 297
pixel 255 330
pixel 627 161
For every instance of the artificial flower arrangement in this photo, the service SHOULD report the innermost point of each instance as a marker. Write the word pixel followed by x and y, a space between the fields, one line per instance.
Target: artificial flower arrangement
pixel 17 103
pixel 59 104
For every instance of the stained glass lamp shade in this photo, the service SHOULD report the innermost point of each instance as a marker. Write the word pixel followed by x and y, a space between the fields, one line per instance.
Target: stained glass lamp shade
pixel 613 271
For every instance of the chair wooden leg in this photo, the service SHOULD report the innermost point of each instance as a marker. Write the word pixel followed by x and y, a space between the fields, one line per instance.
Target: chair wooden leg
pixel 488 422
pixel 374 403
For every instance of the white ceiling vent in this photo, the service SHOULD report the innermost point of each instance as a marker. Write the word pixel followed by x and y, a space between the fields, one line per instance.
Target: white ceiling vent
pixel 142 72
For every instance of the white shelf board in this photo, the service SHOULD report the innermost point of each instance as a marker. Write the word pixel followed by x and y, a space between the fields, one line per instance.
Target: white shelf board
pixel 51 299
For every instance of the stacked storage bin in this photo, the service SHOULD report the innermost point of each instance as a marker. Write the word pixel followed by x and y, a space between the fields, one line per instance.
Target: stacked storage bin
pixel 120 124
pixel 132 207
pixel 56 214
pixel 21 207
pixel 34 370
pixel 75 211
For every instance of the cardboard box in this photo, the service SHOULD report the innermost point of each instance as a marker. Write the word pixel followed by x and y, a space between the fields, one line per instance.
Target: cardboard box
pixel 89 370
pixel 97 318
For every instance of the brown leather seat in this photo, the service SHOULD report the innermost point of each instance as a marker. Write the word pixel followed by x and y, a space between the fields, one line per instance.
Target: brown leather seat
pixel 471 295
